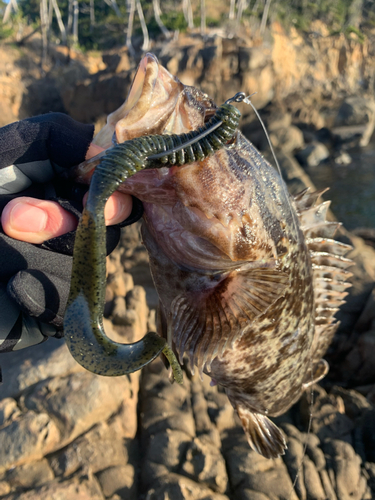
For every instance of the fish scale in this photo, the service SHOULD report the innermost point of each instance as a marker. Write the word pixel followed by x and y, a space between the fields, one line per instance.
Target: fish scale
pixel 249 280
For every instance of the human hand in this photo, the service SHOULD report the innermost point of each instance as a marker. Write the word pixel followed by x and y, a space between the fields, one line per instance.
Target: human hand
pixel 36 248
pixel 35 221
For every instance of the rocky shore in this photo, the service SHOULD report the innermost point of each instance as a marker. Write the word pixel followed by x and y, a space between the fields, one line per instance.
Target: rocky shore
pixel 65 433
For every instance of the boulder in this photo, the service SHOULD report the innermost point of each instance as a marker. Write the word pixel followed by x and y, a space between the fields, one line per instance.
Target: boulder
pixel 313 154
pixel 356 116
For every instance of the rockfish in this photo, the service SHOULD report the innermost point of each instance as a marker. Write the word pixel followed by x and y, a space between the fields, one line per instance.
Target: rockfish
pixel 249 279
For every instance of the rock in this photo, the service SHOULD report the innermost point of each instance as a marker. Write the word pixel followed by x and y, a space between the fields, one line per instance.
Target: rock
pixel 329 419
pixel 343 158
pixel 316 455
pixel 294 459
pixel 136 301
pixel 181 488
pixel 24 368
pixel 118 480
pixel 246 494
pixel 249 470
pixel 28 438
pixel 164 406
pixel 288 139
pixel 4 488
pixel 151 321
pixel 278 120
pixel 117 62
pixel 357 112
pixel 77 488
pixel 355 403
pixel 345 465
pixel 313 154
pixel 116 283
pixel 166 449
pixel 118 314
pixel 205 465
pixel 367 234
pixel 8 410
pixel 96 450
pixel 314 487
pixel 221 413
pixel 260 80
pixel 200 408
pixel 252 58
pixel 30 475
pixel 327 485
pixel 293 174
pixel 77 401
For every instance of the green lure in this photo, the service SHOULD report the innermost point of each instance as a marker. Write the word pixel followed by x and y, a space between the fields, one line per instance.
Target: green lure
pixel 83 322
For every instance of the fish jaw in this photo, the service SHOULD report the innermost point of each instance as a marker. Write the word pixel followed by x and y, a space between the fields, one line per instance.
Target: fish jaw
pixel 157 103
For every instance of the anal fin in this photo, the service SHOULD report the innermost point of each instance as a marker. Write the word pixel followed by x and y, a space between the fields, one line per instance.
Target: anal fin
pixel 262 434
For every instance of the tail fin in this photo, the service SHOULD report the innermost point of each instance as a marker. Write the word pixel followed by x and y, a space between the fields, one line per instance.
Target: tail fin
pixel 262 434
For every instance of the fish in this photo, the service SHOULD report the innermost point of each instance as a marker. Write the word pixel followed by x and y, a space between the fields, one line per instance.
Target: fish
pixel 249 278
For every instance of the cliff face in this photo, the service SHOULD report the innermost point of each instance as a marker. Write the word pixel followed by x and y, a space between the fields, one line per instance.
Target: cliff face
pixel 302 75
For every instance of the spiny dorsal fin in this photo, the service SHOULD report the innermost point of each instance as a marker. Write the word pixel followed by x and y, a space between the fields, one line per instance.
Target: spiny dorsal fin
pixel 262 434
pixel 329 268
pixel 328 259
pixel 305 199
pixel 327 245
pixel 205 325
pixel 314 215
pixel 324 229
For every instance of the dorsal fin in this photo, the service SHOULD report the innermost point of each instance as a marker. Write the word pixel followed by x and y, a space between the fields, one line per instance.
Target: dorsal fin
pixel 204 325
pixel 329 271
pixel 305 199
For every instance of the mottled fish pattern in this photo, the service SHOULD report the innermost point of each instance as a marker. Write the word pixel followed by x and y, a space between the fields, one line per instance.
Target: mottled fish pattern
pixel 249 279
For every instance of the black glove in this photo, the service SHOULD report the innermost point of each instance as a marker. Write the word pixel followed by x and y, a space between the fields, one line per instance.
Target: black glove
pixel 35 279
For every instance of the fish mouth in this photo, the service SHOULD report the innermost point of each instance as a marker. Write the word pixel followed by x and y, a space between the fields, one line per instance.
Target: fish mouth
pixel 157 103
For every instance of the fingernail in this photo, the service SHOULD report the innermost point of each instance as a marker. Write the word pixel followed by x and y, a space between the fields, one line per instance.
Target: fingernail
pixel 28 218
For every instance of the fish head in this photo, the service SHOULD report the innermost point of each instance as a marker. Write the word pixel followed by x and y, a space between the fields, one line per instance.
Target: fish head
pixel 157 103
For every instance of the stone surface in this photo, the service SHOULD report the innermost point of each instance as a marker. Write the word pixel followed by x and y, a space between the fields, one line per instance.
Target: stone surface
pixel 28 438
pixel 345 467
pixel 313 154
pixel 78 488
pixel 78 401
pixel 96 450
pixel 30 475
pixel 205 465
pixel 26 367
pixel 8 410
pixel 118 480
pixel 357 110
pixel 181 488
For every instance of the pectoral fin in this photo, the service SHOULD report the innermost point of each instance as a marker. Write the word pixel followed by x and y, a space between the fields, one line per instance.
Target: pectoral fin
pixel 262 434
pixel 207 323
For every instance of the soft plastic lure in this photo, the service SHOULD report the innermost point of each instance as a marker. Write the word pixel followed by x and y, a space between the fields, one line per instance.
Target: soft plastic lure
pixel 83 322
